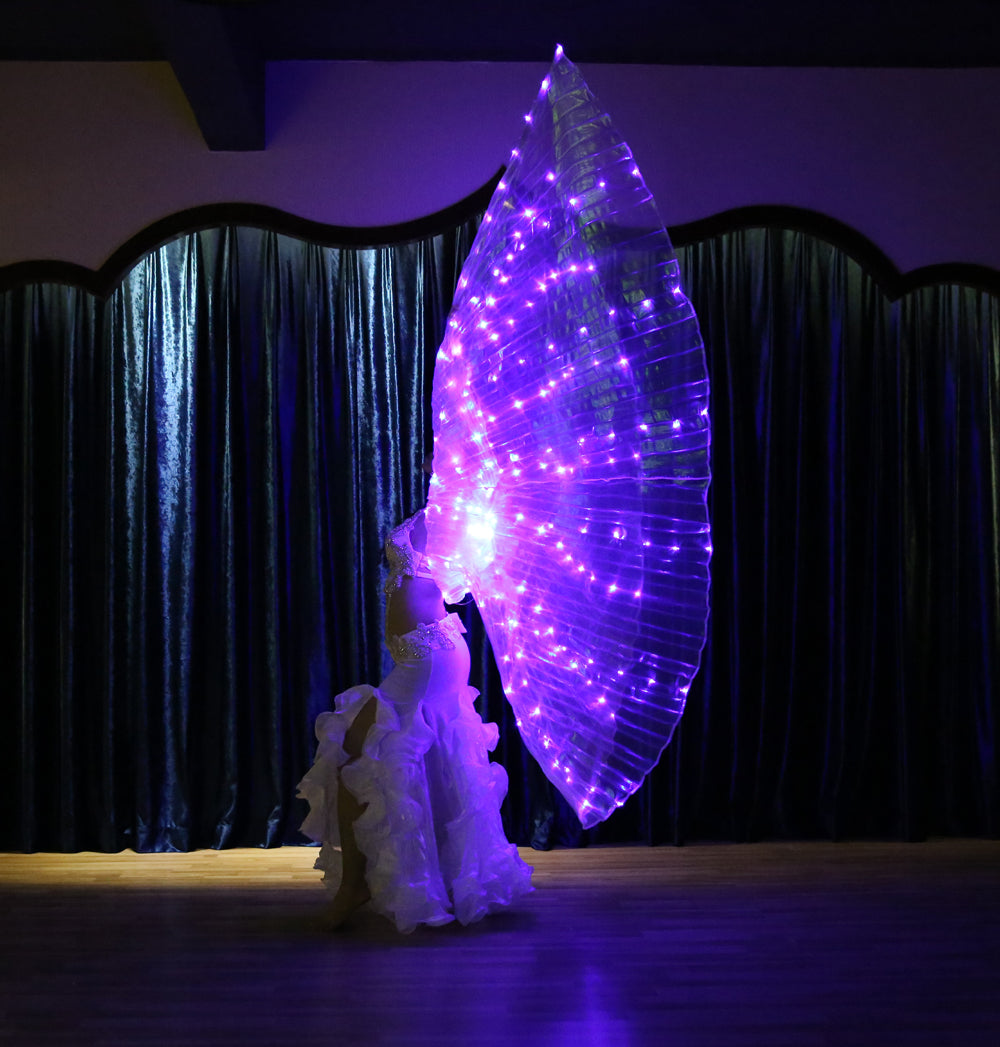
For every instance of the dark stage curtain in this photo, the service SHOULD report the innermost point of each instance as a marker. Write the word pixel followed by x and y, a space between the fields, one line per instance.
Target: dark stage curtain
pixel 197 473
pixel 851 677
pixel 197 476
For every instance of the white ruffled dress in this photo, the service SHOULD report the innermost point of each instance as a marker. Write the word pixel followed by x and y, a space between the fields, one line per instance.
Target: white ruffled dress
pixel 431 831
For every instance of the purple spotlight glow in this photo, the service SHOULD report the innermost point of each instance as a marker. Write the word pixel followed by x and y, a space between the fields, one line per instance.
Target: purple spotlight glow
pixel 582 561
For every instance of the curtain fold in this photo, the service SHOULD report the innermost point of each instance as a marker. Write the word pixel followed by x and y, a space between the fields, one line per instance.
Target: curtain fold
pixel 196 476
pixel 849 683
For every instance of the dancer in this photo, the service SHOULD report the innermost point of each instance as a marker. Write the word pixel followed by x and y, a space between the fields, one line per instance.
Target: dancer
pixel 402 782
pixel 570 407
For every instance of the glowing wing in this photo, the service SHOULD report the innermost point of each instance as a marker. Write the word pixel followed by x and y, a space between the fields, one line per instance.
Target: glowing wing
pixel 572 453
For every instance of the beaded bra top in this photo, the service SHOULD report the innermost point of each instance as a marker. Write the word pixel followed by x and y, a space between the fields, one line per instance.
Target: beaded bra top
pixel 404 560
pixel 407 562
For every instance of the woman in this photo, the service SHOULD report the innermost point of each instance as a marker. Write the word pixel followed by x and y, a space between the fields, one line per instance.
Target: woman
pixel 402 782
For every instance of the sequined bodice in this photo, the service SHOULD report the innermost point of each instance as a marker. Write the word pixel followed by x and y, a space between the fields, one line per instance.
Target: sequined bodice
pixel 407 562
pixel 404 560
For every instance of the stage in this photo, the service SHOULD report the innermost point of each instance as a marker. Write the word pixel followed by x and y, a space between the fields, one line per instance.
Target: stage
pixel 792 944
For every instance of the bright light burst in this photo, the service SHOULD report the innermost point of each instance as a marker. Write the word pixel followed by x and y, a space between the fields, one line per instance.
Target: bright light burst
pixel 572 453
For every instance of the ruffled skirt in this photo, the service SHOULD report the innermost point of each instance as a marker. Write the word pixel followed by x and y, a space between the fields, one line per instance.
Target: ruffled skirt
pixel 430 831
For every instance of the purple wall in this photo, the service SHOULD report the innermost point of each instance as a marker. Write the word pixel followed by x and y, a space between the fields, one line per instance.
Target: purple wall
pixel 92 153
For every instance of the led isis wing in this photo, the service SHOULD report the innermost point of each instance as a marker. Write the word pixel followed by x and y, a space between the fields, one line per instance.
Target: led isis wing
pixel 571 461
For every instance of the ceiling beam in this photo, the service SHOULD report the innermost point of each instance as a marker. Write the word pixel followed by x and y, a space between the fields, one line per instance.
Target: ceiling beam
pixel 221 74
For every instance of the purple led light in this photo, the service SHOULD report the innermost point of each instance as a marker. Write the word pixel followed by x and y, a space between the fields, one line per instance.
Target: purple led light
pixel 581 560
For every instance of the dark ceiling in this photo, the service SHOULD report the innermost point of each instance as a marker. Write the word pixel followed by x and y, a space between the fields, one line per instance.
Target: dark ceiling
pixel 954 33
pixel 218 47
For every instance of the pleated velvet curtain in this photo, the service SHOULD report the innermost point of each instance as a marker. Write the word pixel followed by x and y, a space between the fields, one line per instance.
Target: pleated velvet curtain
pixel 851 681
pixel 196 475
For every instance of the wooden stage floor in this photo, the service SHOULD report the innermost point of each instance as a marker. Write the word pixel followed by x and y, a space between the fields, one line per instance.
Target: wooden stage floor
pixel 793 944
